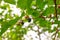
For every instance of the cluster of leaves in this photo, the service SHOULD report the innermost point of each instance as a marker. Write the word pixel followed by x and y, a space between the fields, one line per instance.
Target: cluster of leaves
pixel 38 9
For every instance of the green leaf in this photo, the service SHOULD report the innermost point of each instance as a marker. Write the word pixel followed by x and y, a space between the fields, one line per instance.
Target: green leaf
pixel 23 31
pixel 13 35
pixel 10 1
pixel 49 29
pixel 52 30
pixel 3 7
pixel 6 25
pixel 29 3
pixel 0 38
pixel 48 11
pixel 30 11
pixel 1 20
pixel 43 23
pixel 50 2
pixel 58 2
pixel 57 22
pixel 23 4
pixel 59 34
pixel 35 14
pixel 33 2
pixel 40 4
pixel 0 1
pixel 58 10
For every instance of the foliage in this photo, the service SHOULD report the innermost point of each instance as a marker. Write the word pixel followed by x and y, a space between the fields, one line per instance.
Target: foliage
pixel 35 8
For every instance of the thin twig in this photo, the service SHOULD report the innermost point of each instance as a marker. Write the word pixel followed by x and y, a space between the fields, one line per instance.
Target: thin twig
pixel 55 9
pixel 56 18
pixel 39 33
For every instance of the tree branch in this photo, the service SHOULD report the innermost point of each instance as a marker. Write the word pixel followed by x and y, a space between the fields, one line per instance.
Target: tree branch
pixel 56 18
pixel 55 9
pixel 39 33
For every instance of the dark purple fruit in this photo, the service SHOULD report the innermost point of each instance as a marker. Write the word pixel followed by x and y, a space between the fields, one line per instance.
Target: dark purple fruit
pixel 29 19
pixel 22 22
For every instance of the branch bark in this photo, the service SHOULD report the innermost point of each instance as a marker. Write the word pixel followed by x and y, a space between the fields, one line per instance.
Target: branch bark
pixel 39 33
pixel 55 9
pixel 56 18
